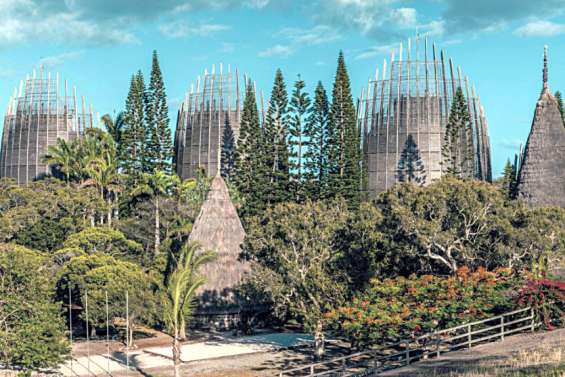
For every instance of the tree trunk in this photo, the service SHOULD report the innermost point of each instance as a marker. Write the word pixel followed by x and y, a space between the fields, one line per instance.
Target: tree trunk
pixel 157 226
pixel 176 355
pixel 182 330
pixel 130 335
pixel 109 210
pixel 319 341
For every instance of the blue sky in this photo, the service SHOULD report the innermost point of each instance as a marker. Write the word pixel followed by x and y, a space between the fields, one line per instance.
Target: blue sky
pixel 98 44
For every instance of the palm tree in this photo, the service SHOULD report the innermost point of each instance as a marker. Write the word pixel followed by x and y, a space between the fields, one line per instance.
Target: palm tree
pixel 155 186
pixel 114 126
pixel 63 157
pixel 182 285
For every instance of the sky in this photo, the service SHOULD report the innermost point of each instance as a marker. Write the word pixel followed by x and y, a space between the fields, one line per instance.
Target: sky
pixel 98 44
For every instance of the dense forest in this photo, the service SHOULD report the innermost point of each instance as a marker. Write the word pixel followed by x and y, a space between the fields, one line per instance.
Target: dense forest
pixel 114 217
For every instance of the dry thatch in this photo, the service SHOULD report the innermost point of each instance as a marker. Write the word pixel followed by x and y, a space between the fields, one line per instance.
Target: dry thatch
pixel 542 174
pixel 218 228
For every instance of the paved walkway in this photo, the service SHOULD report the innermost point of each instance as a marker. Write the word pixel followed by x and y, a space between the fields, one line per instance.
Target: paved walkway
pixel 157 357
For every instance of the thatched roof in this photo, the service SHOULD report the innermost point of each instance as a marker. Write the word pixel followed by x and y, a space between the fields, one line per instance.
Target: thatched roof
pixel 218 228
pixel 542 174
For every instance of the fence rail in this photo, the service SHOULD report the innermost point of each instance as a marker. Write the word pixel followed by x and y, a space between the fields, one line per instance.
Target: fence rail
pixel 428 345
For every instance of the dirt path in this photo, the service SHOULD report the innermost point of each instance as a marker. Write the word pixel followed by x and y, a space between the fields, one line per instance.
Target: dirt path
pixel 458 361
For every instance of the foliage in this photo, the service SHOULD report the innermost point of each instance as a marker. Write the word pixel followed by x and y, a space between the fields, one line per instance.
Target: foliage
pixel 160 145
pixel 298 109
pixel 103 239
pixel 228 154
pixel 343 147
pixel 180 293
pixel 291 248
pixel 97 275
pixel 41 214
pixel 31 330
pixel 399 308
pixel 250 178
pixel 457 143
pixel 508 183
pixel 316 138
pixel 445 225
pixel 559 99
pixel 547 298
pixel 133 154
pixel 276 155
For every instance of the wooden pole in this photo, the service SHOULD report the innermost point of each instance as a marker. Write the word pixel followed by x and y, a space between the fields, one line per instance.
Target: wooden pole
pixel 71 326
pixel 107 333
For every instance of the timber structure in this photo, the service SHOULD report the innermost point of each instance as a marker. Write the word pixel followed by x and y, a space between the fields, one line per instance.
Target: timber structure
pixel 541 178
pixel 39 113
pixel 402 116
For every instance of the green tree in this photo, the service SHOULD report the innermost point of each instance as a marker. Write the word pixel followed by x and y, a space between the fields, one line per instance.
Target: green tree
pixel 96 275
pixel 251 178
pixel 316 136
pixel 134 136
pixel 43 213
pixel 275 142
pixel 156 186
pixel 32 333
pixel 344 146
pixel 114 127
pixel 160 145
pixel 457 146
pixel 292 251
pixel 445 225
pixel 228 154
pixel 298 110
pixel 62 157
pixel 508 181
pixel 180 294
pixel 559 99
pixel 102 239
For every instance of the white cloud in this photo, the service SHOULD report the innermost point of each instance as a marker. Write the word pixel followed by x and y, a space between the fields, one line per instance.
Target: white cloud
pixel 540 28
pixel 276 50
pixel 55 60
pixel 307 37
pixel 181 29
pixel 297 38
pixel 375 51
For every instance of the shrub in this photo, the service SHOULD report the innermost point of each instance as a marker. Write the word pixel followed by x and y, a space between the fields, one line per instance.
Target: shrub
pixel 399 308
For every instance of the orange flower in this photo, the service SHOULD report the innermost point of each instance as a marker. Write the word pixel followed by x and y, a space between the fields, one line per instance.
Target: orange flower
pixel 463 271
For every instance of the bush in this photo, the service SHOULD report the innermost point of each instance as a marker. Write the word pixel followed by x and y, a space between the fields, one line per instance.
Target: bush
pixel 547 297
pixel 399 308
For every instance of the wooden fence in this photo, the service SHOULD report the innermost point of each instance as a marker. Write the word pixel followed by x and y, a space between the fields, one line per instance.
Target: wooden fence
pixel 430 345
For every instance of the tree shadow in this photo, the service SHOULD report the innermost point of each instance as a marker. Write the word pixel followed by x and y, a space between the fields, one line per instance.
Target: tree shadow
pixel 410 165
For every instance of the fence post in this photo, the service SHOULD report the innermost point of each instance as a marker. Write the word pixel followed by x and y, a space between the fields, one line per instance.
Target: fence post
pixel 502 327
pixel 311 370
pixel 438 341
pixel 407 352
pixel 533 318
pixel 469 336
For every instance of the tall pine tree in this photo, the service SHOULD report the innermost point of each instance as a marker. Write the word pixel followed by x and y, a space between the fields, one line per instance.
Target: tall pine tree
pixel 250 172
pixel 508 181
pixel 276 131
pixel 159 144
pixel 228 156
pixel 298 110
pixel 134 133
pixel 344 149
pixel 559 99
pixel 316 136
pixel 457 149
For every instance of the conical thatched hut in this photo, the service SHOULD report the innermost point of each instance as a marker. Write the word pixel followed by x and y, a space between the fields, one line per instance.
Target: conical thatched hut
pixel 541 180
pixel 219 228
